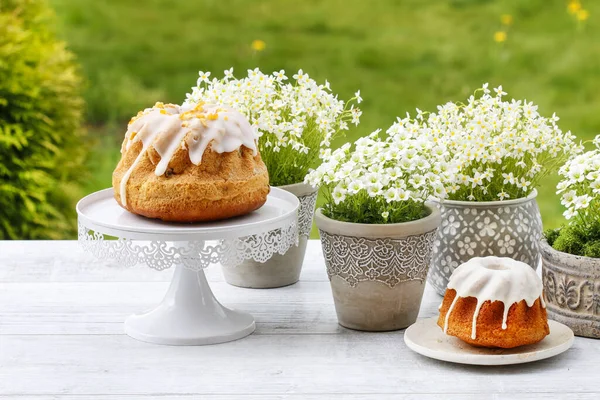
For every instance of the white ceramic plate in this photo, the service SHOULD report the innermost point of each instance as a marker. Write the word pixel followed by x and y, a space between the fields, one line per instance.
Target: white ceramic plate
pixel 427 338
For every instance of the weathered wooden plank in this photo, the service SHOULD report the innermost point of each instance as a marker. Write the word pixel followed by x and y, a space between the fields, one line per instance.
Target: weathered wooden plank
pixel 101 307
pixel 323 396
pixel 270 364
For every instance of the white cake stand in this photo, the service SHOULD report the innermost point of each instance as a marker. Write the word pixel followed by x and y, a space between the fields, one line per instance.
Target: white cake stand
pixel 189 313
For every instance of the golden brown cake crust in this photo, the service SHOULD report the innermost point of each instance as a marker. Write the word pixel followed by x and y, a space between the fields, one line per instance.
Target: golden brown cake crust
pixel 223 185
pixel 525 325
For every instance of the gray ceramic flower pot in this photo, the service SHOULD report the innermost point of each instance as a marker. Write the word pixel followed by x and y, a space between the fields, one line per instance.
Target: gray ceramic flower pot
pixel 572 290
pixel 509 228
pixel 279 270
pixel 377 272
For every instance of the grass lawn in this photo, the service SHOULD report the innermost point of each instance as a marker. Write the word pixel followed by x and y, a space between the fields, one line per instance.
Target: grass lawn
pixel 400 54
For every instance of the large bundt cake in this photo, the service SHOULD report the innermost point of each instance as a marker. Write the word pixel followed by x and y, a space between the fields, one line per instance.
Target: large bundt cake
pixel 190 165
pixel 494 302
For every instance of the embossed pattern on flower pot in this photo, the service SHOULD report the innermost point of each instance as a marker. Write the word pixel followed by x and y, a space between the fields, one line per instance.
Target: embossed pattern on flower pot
pixel 478 229
pixel 386 260
pixel 306 213
pixel 572 290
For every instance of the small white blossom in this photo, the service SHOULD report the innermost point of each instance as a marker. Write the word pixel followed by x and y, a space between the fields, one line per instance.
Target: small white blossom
pixel 499 91
pixel 358 98
pixel 339 195
pixel 508 178
pixel 280 76
pixel 524 184
pixel 391 195
pixel 203 76
pixel 355 186
pixel 569 214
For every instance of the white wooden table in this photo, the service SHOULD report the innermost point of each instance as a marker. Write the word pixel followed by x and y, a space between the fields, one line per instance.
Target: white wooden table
pixel 61 337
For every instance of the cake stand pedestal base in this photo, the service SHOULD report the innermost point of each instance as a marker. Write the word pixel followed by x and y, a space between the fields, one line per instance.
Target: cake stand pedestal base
pixel 189 315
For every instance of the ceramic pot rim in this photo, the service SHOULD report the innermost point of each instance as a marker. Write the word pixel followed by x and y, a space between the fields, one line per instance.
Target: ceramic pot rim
pixel 402 229
pixel 574 262
pixel 299 189
pixel 493 203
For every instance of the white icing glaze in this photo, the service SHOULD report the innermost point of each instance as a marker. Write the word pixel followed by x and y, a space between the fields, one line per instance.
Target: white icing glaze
pixel 169 127
pixel 494 279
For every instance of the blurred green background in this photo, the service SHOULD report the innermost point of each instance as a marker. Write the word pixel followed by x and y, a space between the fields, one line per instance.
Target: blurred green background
pixel 400 54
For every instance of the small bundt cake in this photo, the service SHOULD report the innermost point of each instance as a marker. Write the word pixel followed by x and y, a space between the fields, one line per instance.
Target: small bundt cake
pixel 494 302
pixel 190 165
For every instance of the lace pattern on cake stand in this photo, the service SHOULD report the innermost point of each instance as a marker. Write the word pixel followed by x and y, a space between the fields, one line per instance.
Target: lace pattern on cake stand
pixel 386 260
pixel 195 255
pixel 247 248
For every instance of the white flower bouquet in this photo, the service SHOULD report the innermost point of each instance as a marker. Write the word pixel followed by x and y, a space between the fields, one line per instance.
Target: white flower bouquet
pixel 580 189
pixel 384 180
pixel 500 149
pixel 296 121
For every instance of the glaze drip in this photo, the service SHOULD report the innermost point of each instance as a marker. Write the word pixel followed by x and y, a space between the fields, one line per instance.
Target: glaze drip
pixel 494 279
pixel 169 127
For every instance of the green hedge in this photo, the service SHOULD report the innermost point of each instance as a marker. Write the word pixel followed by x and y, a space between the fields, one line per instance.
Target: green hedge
pixel 41 147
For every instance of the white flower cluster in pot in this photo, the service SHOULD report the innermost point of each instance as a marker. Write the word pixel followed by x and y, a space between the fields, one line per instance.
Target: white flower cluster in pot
pixel 580 186
pixel 295 120
pixel 501 149
pixel 384 179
